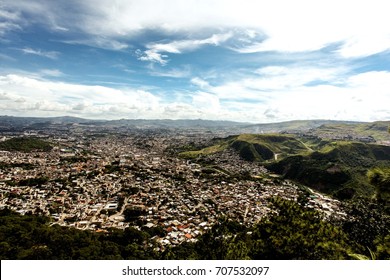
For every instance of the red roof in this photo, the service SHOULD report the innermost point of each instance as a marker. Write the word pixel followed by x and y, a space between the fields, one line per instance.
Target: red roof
pixel 189 236
pixel 169 229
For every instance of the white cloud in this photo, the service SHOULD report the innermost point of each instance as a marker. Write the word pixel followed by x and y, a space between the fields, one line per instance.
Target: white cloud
pixel 8 15
pixel 64 98
pixel 200 83
pixel 180 110
pixel 81 106
pixel 152 56
pixel 280 93
pixel 206 101
pixel 8 20
pixel 155 50
pixel 171 73
pixel 8 26
pixel 363 97
pixel 47 13
pixel 361 27
pixel 5 96
pixel 48 54
pixel 51 72
pixel 262 86
pixel 277 77
pixel 100 42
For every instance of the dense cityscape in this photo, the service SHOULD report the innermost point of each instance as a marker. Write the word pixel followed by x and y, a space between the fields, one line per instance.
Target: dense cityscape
pixel 89 180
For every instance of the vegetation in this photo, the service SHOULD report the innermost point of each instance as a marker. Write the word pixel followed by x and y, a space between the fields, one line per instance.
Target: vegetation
pixel 291 232
pixel 338 168
pixel 380 178
pixel 368 227
pixel 74 159
pixel 254 147
pixel 205 151
pixel 25 144
pixel 23 165
pixel 38 181
pixel 30 237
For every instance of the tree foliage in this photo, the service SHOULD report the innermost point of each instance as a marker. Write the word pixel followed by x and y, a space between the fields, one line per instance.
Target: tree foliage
pixel 25 144
pixel 30 237
pixel 290 232
pixel 368 226
pixel 380 178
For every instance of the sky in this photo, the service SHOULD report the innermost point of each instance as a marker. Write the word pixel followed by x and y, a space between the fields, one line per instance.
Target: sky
pixel 248 60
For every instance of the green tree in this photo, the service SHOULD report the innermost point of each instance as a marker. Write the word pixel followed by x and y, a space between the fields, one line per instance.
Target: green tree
pixel 380 178
pixel 294 232
pixel 367 225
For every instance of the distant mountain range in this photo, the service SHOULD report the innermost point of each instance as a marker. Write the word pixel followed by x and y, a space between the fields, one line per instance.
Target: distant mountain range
pixel 161 123
pixel 300 125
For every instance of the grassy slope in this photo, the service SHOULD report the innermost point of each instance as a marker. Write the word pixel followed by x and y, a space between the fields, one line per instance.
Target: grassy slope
pixel 264 147
pixel 255 147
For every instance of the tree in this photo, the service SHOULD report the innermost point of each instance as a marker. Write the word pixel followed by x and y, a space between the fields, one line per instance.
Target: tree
pixel 367 225
pixel 380 178
pixel 291 232
pixel 294 232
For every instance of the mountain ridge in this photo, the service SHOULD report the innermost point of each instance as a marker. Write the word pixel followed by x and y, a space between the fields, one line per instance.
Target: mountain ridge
pixel 245 127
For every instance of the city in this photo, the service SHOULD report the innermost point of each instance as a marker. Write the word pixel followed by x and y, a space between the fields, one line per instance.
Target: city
pixel 96 181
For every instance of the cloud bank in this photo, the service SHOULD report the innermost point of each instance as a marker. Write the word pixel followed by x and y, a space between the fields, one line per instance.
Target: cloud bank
pixel 257 102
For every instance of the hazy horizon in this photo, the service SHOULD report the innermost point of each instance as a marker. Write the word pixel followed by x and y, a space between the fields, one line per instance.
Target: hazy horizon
pixel 197 119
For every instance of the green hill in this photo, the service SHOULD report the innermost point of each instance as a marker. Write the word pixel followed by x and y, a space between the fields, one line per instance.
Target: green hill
pixel 377 130
pixel 254 147
pixel 25 144
pixel 339 168
pixel 266 147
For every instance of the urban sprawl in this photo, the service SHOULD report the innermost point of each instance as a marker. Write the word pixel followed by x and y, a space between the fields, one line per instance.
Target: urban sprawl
pixel 91 180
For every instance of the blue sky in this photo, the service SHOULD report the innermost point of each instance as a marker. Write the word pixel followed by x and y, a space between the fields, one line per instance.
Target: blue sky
pixel 253 61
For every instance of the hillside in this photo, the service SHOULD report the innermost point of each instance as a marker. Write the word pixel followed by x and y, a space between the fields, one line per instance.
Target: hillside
pixel 378 131
pixel 25 144
pixel 296 125
pixel 254 147
pixel 33 123
pixel 338 168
